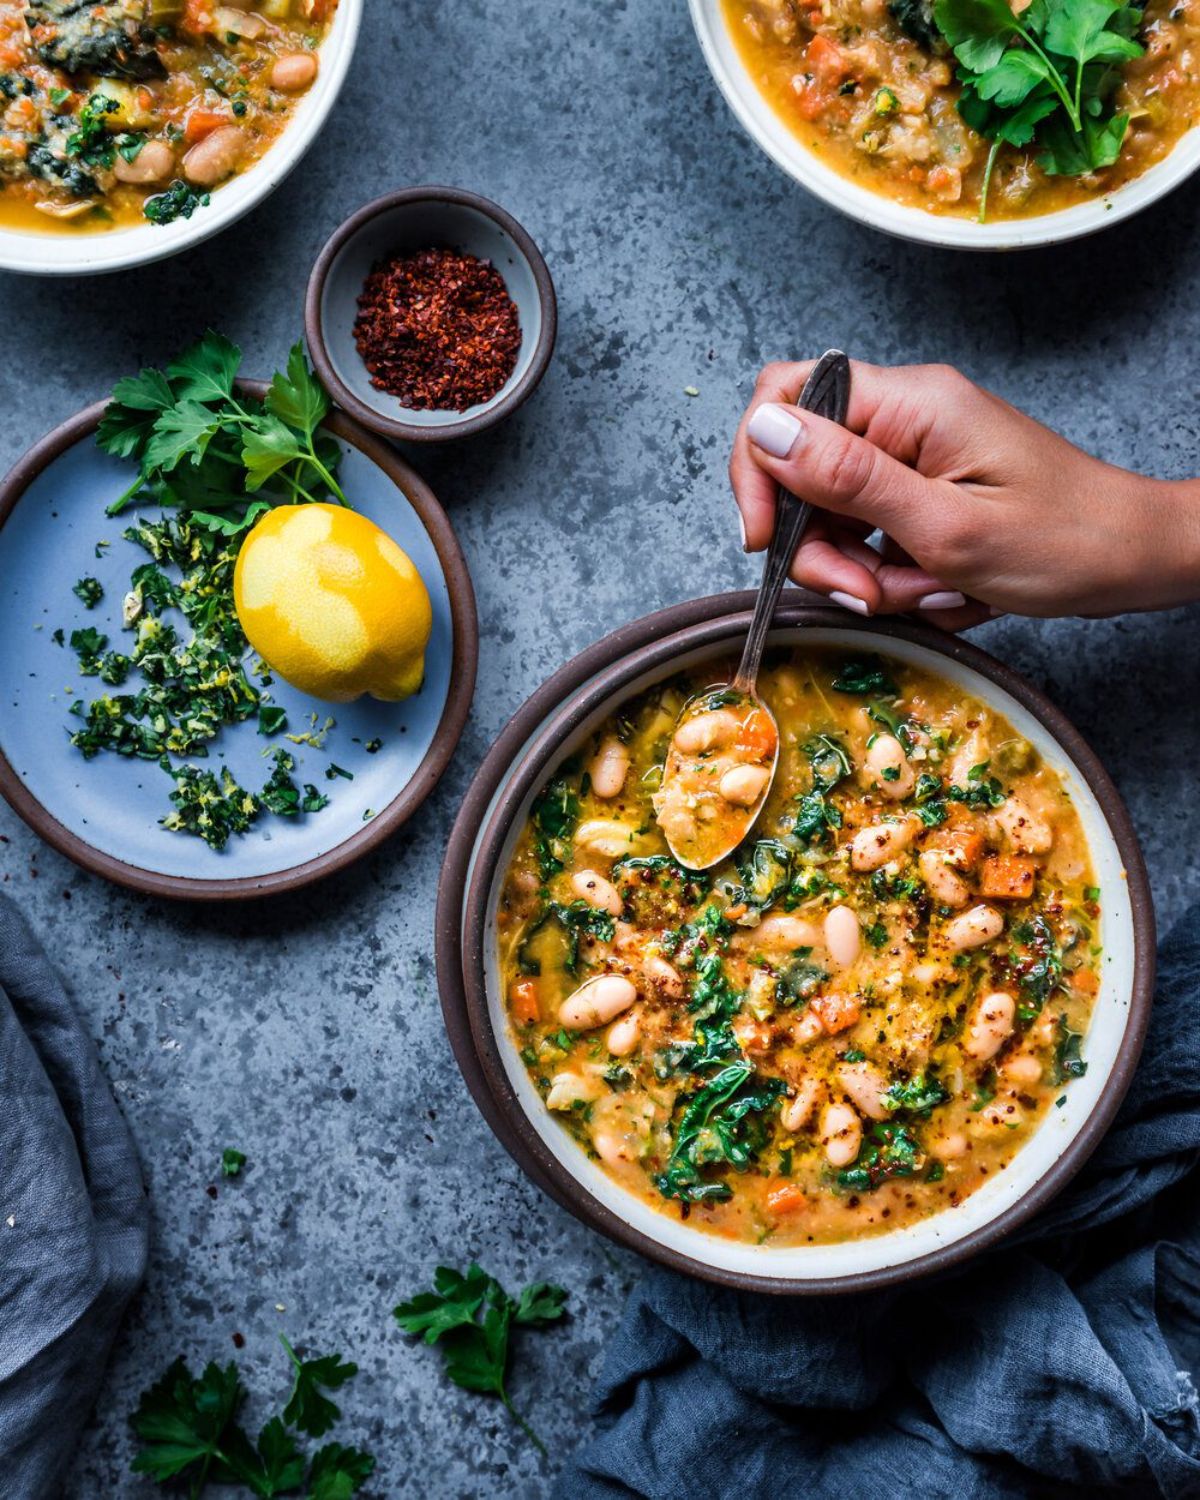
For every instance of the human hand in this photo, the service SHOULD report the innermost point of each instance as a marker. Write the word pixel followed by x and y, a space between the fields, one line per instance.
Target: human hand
pixel 983 509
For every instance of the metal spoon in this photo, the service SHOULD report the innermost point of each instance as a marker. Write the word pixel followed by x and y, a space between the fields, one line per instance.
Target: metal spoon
pixel 704 815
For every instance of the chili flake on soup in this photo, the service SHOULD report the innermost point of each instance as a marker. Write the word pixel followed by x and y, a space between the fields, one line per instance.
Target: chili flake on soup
pixel 971 108
pixel 114 114
pixel 858 1018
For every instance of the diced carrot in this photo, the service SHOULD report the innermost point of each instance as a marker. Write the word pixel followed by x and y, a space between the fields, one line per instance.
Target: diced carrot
pixel 827 60
pixel 1085 982
pixel 811 101
pixel 785 1199
pixel 964 843
pixel 1007 877
pixel 524 1002
pixel 197 16
pixel 835 1012
pixel 757 735
pixel 202 122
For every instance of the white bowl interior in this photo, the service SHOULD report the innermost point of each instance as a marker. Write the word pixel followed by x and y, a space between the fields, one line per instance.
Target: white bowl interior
pixel 418 225
pixel 60 254
pixel 761 122
pixel 815 1263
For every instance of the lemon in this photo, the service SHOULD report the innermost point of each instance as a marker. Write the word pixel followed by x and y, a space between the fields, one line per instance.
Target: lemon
pixel 332 604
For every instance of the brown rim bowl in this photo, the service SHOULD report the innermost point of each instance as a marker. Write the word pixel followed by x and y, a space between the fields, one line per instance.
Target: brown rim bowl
pixel 551 725
pixel 416 219
pixel 464 660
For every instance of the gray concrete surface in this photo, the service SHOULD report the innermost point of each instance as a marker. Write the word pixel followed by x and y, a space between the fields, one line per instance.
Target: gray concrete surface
pixel 307 1031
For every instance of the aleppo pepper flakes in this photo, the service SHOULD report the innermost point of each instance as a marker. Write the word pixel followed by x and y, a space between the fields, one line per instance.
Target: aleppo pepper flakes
pixel 437 329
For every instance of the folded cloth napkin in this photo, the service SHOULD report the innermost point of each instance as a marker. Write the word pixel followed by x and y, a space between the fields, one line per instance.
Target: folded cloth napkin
pixel 74 1224
pixel 1064 1358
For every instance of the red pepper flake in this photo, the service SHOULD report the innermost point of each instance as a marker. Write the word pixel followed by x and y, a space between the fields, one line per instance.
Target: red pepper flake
pixel 437 329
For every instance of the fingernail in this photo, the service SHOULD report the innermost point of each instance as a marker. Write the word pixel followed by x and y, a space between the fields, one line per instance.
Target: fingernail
pixel 775 429
pixel 850 601
pixel 947 599
pixel 742 528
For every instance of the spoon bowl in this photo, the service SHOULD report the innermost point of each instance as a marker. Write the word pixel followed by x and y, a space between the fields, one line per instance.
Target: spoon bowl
pixel 724 749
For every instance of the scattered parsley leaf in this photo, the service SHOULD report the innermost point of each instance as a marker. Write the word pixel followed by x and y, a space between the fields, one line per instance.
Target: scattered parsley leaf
pixel 89 590
pixel 472 1316
pixel 232 1162
pixel 271 719
pixel 307 1408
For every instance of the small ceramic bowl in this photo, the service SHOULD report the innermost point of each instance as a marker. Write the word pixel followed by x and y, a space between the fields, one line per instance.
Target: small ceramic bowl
pixel 415 219
pixel 551 726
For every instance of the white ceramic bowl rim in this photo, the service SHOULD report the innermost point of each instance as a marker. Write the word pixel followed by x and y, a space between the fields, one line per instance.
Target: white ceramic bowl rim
pixel 765 127
pixel 52 254
pixel 808 1267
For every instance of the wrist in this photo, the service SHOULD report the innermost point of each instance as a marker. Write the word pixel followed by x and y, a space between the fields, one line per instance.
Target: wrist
pixel 1170 537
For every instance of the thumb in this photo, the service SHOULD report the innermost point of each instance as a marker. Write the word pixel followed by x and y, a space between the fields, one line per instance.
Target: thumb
pixel 833 468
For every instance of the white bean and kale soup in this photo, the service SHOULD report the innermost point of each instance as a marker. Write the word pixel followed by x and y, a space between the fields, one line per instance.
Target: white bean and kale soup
pixel 856 1020
pixel 976 107
pixel 118 113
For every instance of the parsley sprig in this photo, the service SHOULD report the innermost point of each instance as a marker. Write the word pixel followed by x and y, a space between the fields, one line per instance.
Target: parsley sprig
pixel 190 1433
pixel 212 450
pixel 1045 76
pixel 472 1317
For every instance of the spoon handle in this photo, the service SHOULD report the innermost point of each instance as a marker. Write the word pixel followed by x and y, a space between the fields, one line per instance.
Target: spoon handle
pixel 826 392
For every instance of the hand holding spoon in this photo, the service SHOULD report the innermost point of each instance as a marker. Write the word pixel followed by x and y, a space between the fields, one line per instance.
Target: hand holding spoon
pixel 725 746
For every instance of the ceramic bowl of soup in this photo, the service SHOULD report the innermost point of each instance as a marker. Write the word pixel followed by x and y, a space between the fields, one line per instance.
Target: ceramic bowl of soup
pixel 858 111
pixel 133 129
pixel 872 1041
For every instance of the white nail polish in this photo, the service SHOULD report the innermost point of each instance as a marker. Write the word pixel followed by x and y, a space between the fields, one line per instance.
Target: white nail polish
pixel 946 599
pixel 742 528
pixel 776 430
pixel 850 601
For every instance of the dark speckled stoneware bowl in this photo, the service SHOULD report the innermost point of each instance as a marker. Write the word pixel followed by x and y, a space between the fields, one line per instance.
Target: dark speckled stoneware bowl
pixel 551 726
pixel 415 219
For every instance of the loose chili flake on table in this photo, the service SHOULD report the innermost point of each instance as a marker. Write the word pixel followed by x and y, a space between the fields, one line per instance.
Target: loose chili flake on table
pixel 437 329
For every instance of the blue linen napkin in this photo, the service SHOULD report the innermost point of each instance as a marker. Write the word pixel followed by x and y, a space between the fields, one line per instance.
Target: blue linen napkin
pixel 1064 1358
pixel 74 1224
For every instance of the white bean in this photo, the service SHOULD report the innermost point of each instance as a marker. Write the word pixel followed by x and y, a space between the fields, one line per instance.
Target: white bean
pixel 888 768
pixel 597 892
pixel 990 1026
pixel 945 885
pixel 569 1089
pixel 609 768
pixel 215 157
pixel 1025 831
pixel 872 847
pixel 612 1146
pixel 798 1111
pixel 843 936
pixel 841 1134
pixel 807 1029
pixel 664 977
pixel 622 1035
pixel 866 1086
pixel 974 928
pixel 154 163
pixel 1023 1069
pixel 947 1147
pixel 744 785
pixel 597 1002
pixel 293 72
pixel 709 731
pixel 782 932
pixel 608 837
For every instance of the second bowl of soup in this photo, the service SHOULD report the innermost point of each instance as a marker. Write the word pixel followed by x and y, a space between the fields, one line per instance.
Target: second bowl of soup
pixel 880 1032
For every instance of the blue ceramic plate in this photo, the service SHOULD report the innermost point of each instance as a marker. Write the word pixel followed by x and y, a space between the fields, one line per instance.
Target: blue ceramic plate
pixel 104 813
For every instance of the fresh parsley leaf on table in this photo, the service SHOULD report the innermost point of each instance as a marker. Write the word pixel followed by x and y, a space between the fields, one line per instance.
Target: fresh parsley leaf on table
pixel 232 1161
pixel 1045 77
pixel 190 1434
pixel 473 1316
pixel 221 455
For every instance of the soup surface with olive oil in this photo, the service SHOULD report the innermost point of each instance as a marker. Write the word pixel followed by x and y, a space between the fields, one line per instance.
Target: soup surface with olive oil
pixel 857 1019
